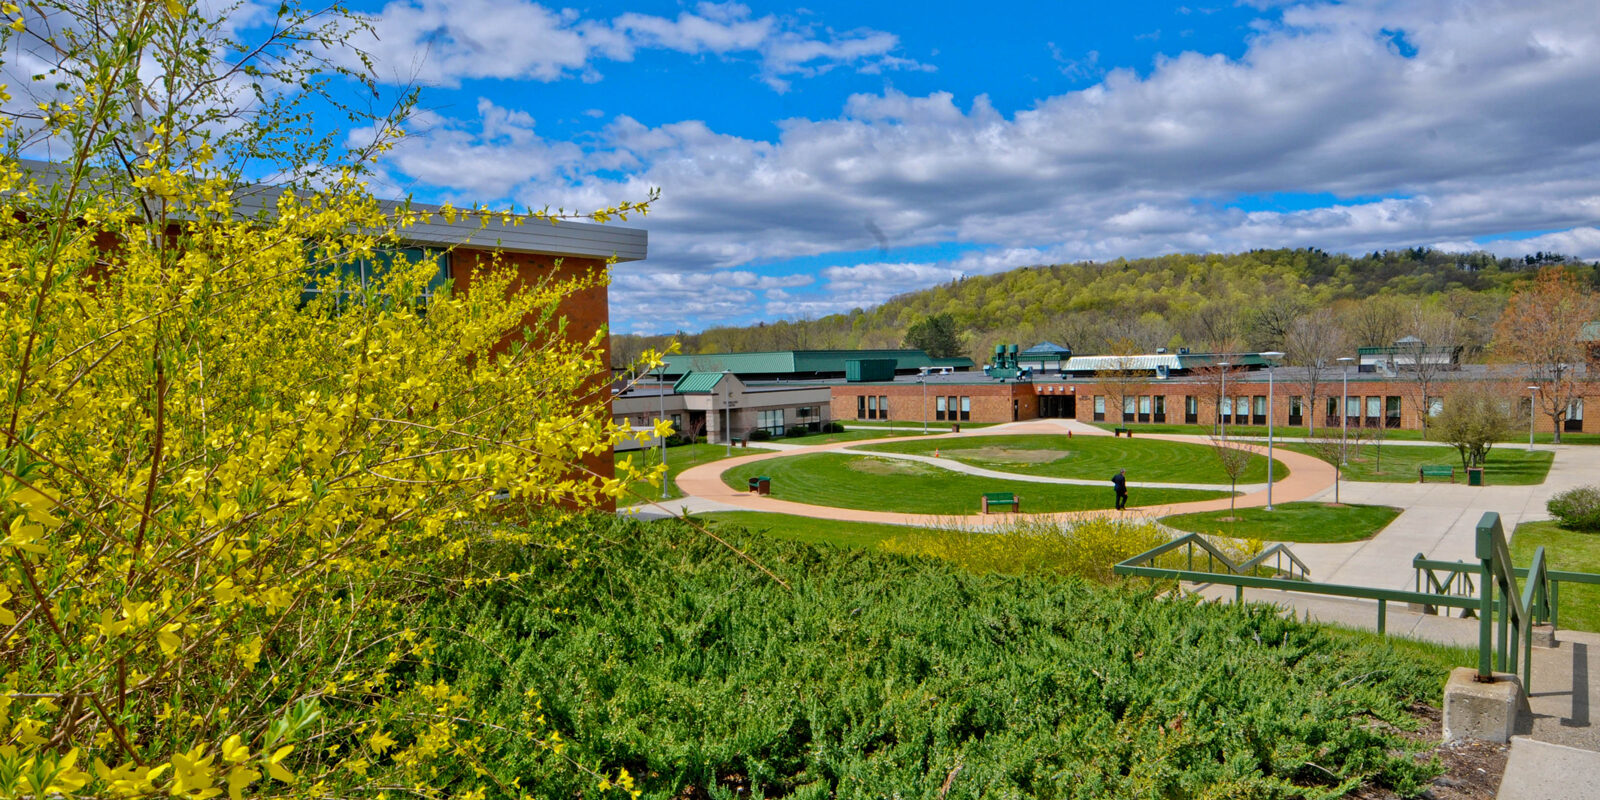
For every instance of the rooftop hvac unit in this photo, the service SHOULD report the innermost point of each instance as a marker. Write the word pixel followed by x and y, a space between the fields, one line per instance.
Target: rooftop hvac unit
pixel 1161 371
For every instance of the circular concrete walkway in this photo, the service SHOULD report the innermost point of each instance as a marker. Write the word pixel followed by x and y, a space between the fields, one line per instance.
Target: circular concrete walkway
pixel 1308 476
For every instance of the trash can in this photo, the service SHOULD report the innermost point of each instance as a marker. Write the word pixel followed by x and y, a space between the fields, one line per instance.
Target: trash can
pixel 1474 476
pixel 763 485
pixel 955 427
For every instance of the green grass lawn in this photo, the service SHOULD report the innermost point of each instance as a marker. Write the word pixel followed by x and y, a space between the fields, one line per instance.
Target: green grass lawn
pixel 1090 457
pixel 1300 431
pixel 806 529
pixel 1507 465
pixel 885 484
pixel 1573 551
pixel 1291 522
pixel 678 459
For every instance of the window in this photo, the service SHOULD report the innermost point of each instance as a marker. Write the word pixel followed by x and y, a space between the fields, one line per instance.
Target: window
pixel 1144 408
pixel 677 422
pixel 1191 409
pixel 1352 409
pixel 966 408
pixel 1574 420
pixel 1391 411
pixel 770 421
pixel 365 273
pixel 1099 408
pixel 1241 409
pixel 1374 411
pixel 1333 411
pixel 1161 408
pixel 861 406
pixel 883 406
pixel 1296 409
pixel 1127 407
pixel 872 407
pixel 1435 406
pixel 1258 411
pixel 938 407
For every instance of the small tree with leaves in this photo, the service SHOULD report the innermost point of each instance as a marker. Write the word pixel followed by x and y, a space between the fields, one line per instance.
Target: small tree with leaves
pixel 1474 417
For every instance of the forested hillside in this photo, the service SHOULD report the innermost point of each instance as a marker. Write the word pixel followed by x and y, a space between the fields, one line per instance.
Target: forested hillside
pixel 1242 300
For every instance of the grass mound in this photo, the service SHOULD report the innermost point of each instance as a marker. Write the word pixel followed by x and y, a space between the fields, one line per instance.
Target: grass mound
pixel 877 675
pixel 1088 457
pixel 875 483
pixel 1291 522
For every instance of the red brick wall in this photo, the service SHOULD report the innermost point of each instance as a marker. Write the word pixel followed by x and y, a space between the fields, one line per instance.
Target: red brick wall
pixel 990 402
pixel 585 312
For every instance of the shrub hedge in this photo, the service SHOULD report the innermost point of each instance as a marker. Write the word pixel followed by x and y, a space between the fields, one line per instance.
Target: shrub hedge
pixel 1577 509
pixel 877 675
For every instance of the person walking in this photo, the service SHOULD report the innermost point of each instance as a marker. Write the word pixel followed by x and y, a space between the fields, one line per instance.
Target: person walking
pixel 1119 482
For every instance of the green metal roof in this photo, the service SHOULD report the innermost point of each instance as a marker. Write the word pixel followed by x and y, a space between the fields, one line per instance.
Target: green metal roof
pixel 801 361
pixel 698 383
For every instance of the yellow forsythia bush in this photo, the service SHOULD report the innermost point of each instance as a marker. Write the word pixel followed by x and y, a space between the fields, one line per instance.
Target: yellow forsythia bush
pixel 221 496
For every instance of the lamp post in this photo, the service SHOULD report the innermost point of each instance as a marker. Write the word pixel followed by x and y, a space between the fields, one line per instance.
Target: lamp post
pixel 727 415
pixel 1532 391
pixel 1272 357
pixel 1221 420
pixel 661 441
pixel 1344 410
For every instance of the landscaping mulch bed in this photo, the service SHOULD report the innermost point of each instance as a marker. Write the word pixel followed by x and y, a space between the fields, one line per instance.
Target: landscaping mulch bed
pixel 1472 767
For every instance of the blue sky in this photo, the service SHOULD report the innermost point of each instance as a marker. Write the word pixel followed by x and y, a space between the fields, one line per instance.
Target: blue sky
pixel 817 158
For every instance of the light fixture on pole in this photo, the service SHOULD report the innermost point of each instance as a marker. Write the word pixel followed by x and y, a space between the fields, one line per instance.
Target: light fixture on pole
pixel 1224 402
pixel 727 415
pixel 661 393
pixel 1532 392
pixel 1344 410
pixel 1272 357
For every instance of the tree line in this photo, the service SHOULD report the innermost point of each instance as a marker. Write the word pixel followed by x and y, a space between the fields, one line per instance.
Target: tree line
pixel 1245 300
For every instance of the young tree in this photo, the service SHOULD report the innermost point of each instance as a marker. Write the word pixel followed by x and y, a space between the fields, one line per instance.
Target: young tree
pixel 1539 330
pixel 937 335
pixel 1330 447
pixel 224 502
pixel 1474 417
pixel 1234 457
pixel 1314 343
pixel 1428 353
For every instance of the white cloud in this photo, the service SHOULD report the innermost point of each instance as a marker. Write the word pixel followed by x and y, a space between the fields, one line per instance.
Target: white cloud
pixel 1482 130
pixel 443 42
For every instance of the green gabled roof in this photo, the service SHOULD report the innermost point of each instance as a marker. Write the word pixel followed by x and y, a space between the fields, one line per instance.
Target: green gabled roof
pixel 1050 349
pixel 698 382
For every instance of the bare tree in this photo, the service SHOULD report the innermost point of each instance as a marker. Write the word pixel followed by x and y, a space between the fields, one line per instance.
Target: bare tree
pixel 1539 330
pixel 1330 447
pixel 1125 379
pixel 1314 343
pixel 1235 459
pixel 1212 380
pixel 1475 416
pixel 1429 351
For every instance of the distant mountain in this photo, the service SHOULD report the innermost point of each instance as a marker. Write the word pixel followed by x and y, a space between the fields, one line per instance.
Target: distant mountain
pixel 1240 300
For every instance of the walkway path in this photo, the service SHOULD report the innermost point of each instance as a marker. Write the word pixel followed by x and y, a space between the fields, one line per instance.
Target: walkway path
pixel 1307 476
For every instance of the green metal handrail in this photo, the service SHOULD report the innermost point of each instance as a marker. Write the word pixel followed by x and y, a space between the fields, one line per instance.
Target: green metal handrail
pixel 1497 600
pixel 1517 619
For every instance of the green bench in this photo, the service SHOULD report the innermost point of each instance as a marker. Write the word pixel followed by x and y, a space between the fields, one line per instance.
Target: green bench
pixel 1128 432
pixel 991 499
pixel 1427 471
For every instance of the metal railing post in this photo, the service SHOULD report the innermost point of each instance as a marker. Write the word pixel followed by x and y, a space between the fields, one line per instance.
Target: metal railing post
pixel 1485 553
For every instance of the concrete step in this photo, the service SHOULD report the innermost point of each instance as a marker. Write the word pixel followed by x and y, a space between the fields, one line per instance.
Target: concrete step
pixel 1538 770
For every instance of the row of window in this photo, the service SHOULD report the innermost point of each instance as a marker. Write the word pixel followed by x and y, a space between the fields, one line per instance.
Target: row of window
pixel 945 407
pixel 770 421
